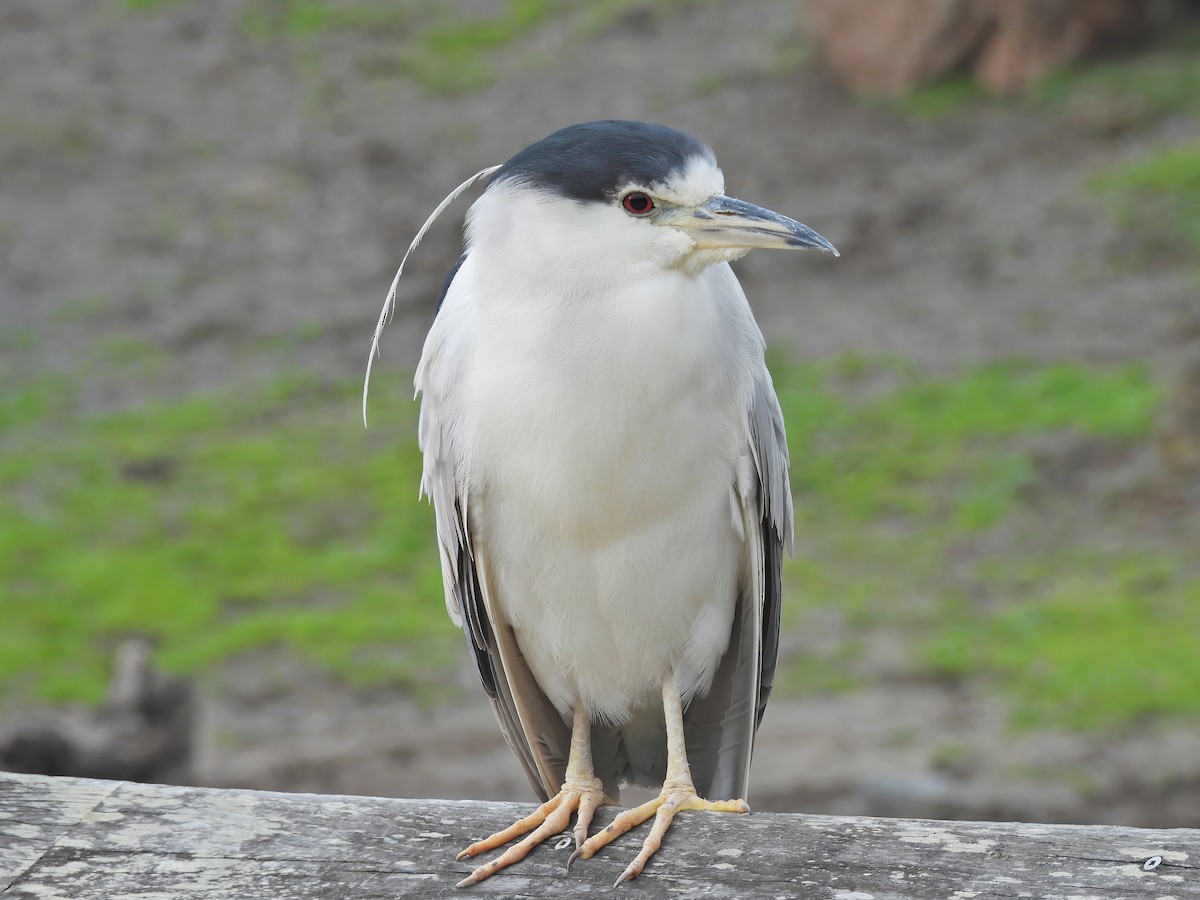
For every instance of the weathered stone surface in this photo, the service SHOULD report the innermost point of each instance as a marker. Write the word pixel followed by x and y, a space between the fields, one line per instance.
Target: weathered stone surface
pixel 89 840
pixel 887 47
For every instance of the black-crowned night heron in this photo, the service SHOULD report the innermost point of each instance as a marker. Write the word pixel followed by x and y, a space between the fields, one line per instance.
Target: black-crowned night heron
pixel 606 456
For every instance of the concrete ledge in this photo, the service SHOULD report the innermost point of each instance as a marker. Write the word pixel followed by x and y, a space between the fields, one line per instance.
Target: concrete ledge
pixel 83 839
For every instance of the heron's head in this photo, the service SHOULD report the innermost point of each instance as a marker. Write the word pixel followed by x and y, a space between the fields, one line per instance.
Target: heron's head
pixel 617 196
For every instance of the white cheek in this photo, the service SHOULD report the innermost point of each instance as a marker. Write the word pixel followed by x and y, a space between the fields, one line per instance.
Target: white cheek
pixel 699 260
pixel 672 247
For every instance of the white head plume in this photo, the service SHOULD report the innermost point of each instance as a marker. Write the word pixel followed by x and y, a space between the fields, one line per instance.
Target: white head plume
pixel 389 304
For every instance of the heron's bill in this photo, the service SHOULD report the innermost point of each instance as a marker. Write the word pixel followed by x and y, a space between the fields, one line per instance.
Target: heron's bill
pixel 729 223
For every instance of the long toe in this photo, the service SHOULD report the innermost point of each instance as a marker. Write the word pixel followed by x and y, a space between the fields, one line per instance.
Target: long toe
pixel 663 809
pixel 549 819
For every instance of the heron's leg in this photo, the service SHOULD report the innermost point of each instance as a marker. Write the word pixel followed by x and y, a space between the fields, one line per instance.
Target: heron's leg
pixel 582 792
pixel 678 793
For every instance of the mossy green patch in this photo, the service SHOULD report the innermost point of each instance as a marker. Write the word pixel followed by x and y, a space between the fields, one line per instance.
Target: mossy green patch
pixel 946 448
pixel 19 339
pixel 928 516
pixel 268 19
pixel 1157 199
pixel 235 522
pixel 33 401
pixel 456 55
pixel 1101 639
pixel 148 6
pixel 1129 91
pixel 438 47
pixel 214 525
pixel 443 47
pixel 939 98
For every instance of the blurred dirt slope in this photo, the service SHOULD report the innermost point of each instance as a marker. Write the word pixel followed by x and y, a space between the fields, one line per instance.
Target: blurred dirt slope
pixel 241 202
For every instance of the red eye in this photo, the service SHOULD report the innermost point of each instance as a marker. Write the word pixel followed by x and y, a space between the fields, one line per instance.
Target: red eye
pixel 637 203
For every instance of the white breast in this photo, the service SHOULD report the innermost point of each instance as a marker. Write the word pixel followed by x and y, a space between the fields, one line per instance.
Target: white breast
pixel 600 436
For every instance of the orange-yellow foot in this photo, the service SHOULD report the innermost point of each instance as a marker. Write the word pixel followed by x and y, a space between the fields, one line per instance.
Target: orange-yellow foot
pixel 580 796
pixel 674 797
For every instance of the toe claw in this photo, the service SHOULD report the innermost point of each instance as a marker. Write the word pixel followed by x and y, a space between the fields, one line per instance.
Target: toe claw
pixel 578 854
pixel 549 820
pixel 474 878
pixel 634 869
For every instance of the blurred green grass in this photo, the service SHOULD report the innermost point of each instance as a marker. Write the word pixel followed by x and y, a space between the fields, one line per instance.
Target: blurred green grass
pixel 1129 91
pixel 940 516
pixel 232 523
pixel 442 51
pixel 1086 638
pixel 1156 198
pixel 441 47
pixel 214 525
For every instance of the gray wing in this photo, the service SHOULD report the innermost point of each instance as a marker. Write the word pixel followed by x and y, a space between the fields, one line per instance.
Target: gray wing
pixel 720 726
pixel 533 728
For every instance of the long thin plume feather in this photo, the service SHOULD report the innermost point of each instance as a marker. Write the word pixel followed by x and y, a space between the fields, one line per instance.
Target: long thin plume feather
pixel 389 304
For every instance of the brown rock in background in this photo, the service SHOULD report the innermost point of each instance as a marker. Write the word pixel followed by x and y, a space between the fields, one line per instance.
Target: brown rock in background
pixel 888 46
pixel 1031 38
pixel 143 732
pixel 884 47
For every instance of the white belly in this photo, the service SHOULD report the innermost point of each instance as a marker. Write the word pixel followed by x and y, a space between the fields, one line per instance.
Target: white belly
pixel 601 463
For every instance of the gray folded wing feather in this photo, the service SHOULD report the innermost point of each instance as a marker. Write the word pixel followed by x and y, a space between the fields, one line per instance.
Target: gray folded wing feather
pixel 538 735
pixel 720 726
